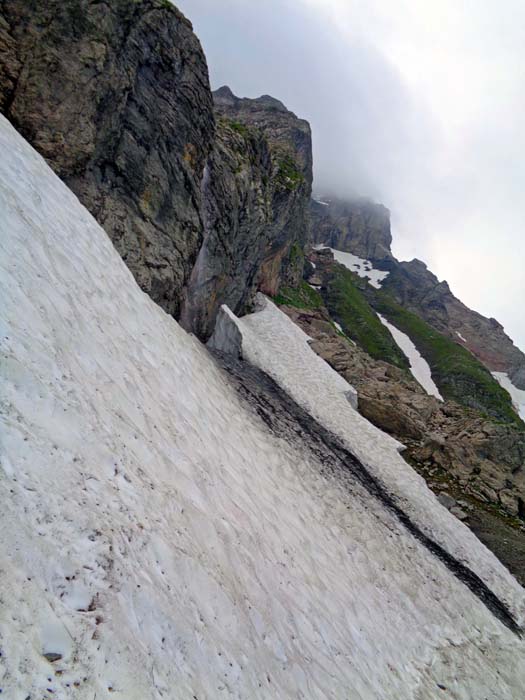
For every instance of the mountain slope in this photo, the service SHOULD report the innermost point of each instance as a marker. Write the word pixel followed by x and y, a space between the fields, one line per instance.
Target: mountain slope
pixel 363 228
pixel 355 303
pixel 159 541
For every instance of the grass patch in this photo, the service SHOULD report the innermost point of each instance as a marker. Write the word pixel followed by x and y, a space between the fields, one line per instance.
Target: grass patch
pixel 350 309
pixel 238 127
pixel 296 253
pixel 457 373
pixel 302 297
pixel 289 176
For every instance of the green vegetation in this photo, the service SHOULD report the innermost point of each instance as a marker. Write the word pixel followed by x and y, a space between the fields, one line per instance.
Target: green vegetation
pixel 288 174
pixel 349 308
pixel 296 253
pixel 238 127
pixel 457 373
pixel 302 297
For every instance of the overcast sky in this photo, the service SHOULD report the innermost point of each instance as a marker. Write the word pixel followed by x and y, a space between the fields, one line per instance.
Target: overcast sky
pixel 418 104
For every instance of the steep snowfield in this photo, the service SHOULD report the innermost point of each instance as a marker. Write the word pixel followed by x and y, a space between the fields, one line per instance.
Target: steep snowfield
pixel 418 365
pixel 162 541
pixel 517 395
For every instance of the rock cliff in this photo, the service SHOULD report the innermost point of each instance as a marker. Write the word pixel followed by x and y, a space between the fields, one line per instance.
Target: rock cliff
pixel 116 97
pixel 255 207
pixel 358 226
pixel 205 206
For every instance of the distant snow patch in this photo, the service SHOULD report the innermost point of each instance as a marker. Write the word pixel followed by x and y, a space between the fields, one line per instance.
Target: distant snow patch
pixel 338 326
pixel 517 395
pixel 361 267
pixel 461 337
pixel 418 365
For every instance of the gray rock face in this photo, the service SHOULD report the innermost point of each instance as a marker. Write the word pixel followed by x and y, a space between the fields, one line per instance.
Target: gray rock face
pixel 255 206
pixel 356 226
pixel 116 97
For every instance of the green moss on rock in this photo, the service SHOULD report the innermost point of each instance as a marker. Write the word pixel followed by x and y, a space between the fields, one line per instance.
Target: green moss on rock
pixel 302 297
pixel 289 176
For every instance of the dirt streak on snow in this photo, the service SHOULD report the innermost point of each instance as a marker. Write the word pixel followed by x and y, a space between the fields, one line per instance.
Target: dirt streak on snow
pixel 160 539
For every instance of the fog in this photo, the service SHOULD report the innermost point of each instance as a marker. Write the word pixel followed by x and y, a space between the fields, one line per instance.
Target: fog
pixel 416 105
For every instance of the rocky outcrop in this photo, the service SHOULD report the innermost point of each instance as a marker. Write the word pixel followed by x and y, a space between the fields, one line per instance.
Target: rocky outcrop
pixel 255 207
pixel 357 226
pixel 363 228
pixel 116 97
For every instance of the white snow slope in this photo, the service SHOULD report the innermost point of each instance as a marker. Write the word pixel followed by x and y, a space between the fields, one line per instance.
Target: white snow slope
pixel 158 537
pixel 517 395
pixel 418 365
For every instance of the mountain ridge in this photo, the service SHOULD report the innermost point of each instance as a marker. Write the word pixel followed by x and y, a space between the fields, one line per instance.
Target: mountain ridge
pixel 351 225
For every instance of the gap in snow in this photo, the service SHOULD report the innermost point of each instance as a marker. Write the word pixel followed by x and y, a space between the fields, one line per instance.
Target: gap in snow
pixel 418 365
pixel 517 395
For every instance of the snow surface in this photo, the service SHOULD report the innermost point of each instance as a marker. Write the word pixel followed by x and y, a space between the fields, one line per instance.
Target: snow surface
pixel 461 337
pixel 361 267
pixel 517 395
pixel 217 560
pixel 338 326
pixel 418 365
pixel 272 342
